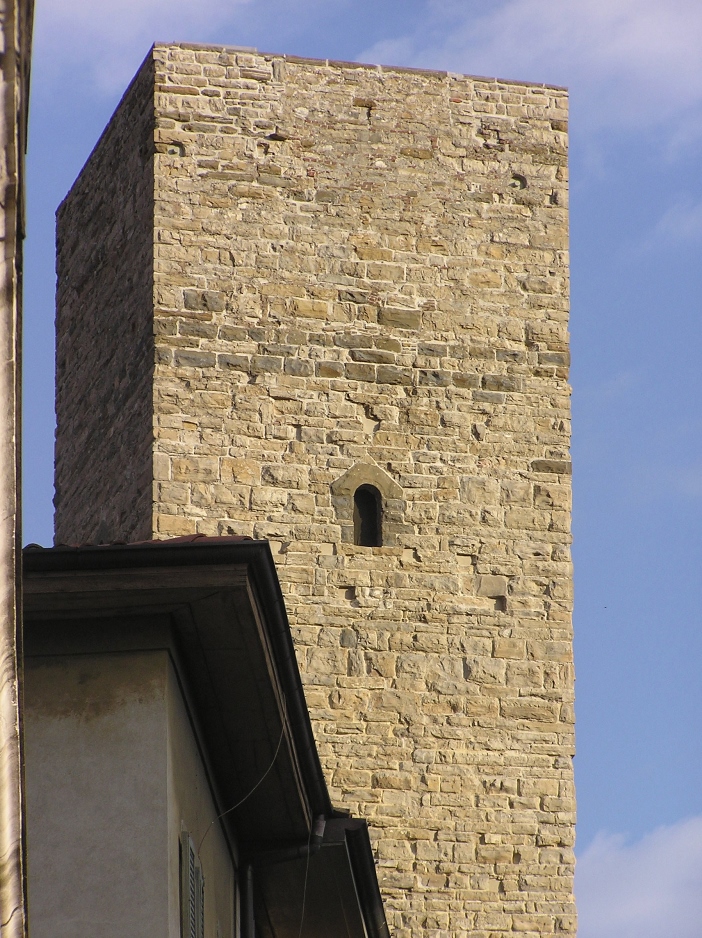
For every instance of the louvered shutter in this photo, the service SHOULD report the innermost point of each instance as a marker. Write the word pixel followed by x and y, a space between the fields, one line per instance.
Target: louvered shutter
pixel 192 890
pixel 200 904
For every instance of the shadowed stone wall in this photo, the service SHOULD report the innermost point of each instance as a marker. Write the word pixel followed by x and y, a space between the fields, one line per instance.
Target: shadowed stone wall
pixel 104 332
pixel 360 276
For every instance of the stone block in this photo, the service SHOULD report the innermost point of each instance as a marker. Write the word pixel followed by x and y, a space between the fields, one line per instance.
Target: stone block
pixel 391 374
pixel 195 469
pixel 207 300
pixel 193 358
pixel 360 372
pixel 284 476
pixel 329 369
pixel 502 383
pixel 509 648
pixel 399 318
pixel 309 309
pixel 532 709
pixel 235 362
pixel 492 586
pixel 558 466
pixel 300 367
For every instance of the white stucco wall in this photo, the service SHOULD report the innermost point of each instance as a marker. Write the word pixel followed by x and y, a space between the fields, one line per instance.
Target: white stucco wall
pixel 113 774
pixel 96 735
pixel 191 806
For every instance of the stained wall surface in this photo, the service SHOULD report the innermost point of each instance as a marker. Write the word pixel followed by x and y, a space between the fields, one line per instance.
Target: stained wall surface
pixel 191 807
pixel 96 748
pixel 114 774
pixel 361 277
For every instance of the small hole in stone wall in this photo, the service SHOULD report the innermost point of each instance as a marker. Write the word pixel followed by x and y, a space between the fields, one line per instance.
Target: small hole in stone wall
pixel 367 516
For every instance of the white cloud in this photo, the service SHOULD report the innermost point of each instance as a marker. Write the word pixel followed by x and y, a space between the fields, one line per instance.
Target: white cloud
pixel 111 38
pixel 630 63
pixel 682 221
pixel 648 889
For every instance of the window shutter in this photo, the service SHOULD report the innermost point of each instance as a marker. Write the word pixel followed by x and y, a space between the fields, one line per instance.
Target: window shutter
pixel 200 904
pixel 192 890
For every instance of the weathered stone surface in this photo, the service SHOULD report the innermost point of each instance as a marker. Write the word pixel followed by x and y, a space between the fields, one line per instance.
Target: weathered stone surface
pixel 203 299
pixel 105 333
pixel 560 466
pixel 400 318
pixel 388 285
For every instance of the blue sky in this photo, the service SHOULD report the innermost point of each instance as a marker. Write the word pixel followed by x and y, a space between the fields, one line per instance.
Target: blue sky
pixel 634 71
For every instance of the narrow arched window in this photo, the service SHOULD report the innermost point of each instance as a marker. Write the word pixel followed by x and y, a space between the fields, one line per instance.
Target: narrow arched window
pixel 367 517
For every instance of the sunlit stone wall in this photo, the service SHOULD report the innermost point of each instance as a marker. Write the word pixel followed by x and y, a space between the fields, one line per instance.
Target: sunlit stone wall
pixel 360 276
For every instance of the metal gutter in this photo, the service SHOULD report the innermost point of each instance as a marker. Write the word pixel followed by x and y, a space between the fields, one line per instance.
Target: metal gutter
pixel 363 866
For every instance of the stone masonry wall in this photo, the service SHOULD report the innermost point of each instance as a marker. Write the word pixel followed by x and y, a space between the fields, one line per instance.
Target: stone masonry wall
pixel 104 327
pixel 361 275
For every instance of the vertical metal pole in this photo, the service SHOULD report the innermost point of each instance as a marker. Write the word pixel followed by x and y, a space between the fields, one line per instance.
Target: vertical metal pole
pixel 16 16
pixel 248 923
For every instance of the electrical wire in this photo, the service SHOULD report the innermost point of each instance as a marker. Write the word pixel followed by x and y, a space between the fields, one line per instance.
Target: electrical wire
pixel 248 795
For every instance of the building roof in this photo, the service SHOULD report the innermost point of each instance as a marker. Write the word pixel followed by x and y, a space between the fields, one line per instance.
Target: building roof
pixel 216 605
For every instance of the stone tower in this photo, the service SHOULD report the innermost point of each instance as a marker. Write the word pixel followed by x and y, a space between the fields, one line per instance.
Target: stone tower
pixel 326 304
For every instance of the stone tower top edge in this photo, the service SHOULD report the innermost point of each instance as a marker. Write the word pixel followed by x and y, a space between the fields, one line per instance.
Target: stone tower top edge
pixel 144 69
pixel 369 66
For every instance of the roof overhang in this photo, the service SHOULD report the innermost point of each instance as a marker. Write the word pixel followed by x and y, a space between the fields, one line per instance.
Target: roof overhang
pixel 216 604
pixel 333 892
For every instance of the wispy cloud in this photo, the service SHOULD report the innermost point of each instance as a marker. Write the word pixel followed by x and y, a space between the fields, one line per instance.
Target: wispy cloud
pixel 681 222
pixel 648 889
pixel 631 63
pixel 110 39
